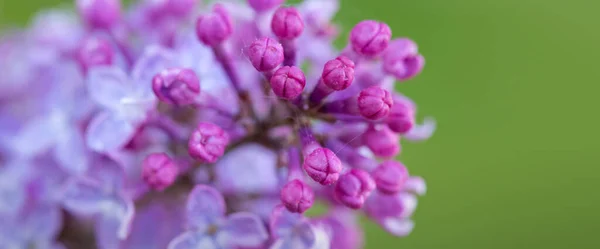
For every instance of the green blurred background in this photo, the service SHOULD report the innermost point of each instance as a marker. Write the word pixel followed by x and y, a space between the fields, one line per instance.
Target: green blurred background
pixel 513 86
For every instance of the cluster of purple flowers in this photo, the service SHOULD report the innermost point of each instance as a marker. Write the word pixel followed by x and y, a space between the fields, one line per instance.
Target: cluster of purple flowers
pixel 187 124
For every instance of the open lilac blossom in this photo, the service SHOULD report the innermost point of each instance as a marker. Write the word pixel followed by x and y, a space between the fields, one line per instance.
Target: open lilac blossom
pixel 210 228
pixel 115 114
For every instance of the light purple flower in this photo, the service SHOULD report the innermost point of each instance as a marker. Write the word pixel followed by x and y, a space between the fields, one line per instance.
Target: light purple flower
pixel 294 231
pixel 392 212
pixel 210 228
pixel 125 100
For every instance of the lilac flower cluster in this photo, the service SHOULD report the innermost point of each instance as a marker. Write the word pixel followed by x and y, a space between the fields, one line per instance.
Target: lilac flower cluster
pixel 187 124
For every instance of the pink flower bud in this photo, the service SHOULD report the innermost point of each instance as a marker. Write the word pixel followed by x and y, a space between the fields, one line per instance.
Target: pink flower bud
pixel 297 196
pixel 382 141
pixel 402 60
pixel 265 54
pixel 93 52
pixel 159 171
pixel 374 103
pixel 176 86
pixel 288 82
pixel 353 188
pixel 287 23
pixel 101 14
pixel 214 28
pixel 390 177
pixel 338 73
pixel 370 37
pixel 402 115
pixel 208 142
pixel 323 166
pixel 264 5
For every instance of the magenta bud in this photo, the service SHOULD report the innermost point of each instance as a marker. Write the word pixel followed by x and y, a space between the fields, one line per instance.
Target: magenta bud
pixel 404 68
pixel 370 37
pixel 93 52
pixel 390 177
pixel 265 54
pixel 401 47
pixel 338 73
pixel 287 23
pixel 102 14
pixel 176 86
pixel 297 196
pixel 288 82
pixel 374 103
pixel 323 166
pixel 402 115
pixel 354 187
pixel 382 141
pixel 215 27
pixel 159 171
pixel 264 5
pixel 208 142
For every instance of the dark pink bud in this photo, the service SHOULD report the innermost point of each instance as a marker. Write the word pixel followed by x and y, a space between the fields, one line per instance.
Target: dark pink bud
pixel 382 141
pixel 297 196
pixel 323 166
pixel 208 142
pixel 390 177
pixel 159 171
pixel 374 103
pixel 402 115
pixel 287 23
pixel 404 68
pixel 177 86
pixel 102 14
pixel 370 37
pixel 288 82
pixel 338 73
pixel 265 54
pixel 93 52
pixel 401 47
pixel 354 187
pixel 264 5
pixel 214 28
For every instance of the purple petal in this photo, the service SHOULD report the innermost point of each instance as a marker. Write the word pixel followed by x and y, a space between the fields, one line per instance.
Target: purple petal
pixel 13 179
pixel 242 230
pixel 303 237
pixel 145 234
pixel 398 226
pixel 108 132
pixel 108 173
pixel 84 197
pixel 248 169
pixel 153 60
pixel 204 205
pixel 193 240
pixel 107 86
pixel 71 154
pixel 423 131
pixel 34 137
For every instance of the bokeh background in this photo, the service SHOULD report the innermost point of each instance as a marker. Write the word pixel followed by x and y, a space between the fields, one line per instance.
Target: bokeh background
pixel 514 87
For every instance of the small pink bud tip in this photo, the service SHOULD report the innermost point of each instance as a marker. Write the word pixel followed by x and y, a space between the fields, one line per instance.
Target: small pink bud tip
pixel 214 28
pixel 288 82
pixel 176 86
pixel 102 14
pixel 208 142
pixel 287 23
pixel 354 187
pixel 382 141
pixel 416 185
pixel 402 60
pixel 338 73
pixel 93 52
pixel 159 171
pixel 264 5
pixel 370 37
pixel 402 115
pixel 374 103
pixel 390 177
pixel 265 54
pixel 323 166
pixel 297 196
